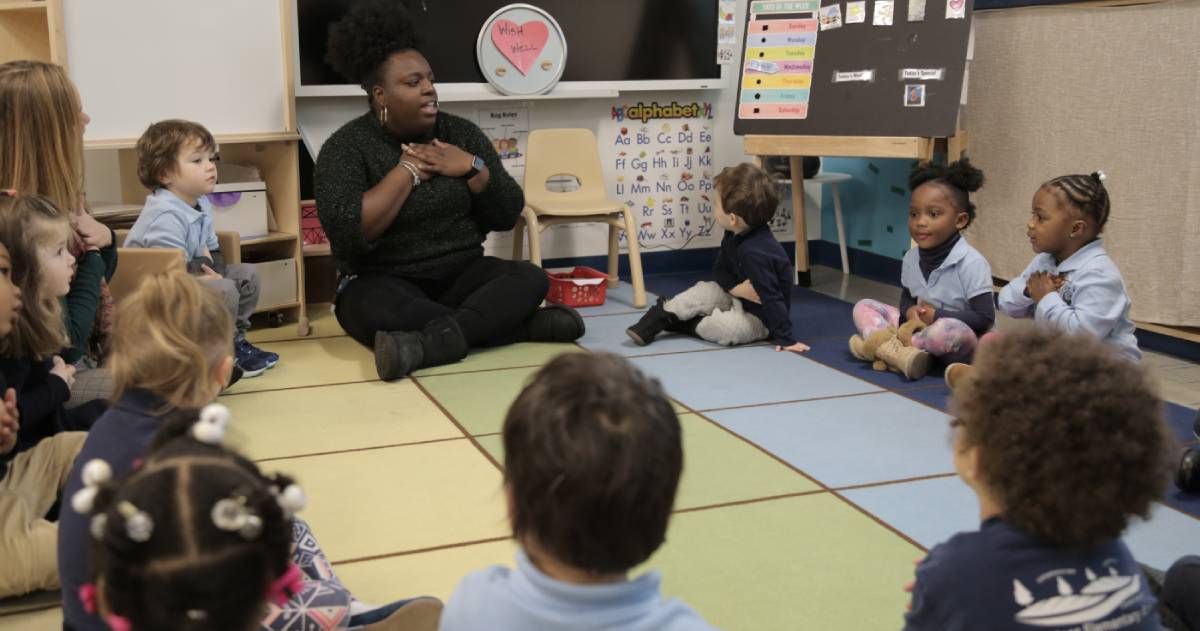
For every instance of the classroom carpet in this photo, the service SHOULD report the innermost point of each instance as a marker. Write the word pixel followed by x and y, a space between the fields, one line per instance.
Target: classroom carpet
pixel 811 483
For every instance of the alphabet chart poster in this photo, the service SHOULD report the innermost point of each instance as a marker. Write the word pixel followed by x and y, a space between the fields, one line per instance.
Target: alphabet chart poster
pixel 659 162
pixel 853 67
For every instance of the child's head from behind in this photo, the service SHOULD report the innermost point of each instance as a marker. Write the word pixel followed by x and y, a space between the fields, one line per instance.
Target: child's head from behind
pixel 747 197
pixel 41 124
pixel 940 205
pixel 592 461
pixel 36 236
pixel 179 156
pixel 172 337
pixel 1063 433
pixel 195 538
pixel 1068 212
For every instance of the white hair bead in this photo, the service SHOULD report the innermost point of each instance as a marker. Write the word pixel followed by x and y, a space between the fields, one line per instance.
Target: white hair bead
pixel 84 499
pixel 97 526
pixel 96 472
pixel 292 499
pixel 210 429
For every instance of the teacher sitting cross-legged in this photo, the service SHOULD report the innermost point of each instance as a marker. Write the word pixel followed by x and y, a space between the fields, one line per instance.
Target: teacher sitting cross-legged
pixel 407 194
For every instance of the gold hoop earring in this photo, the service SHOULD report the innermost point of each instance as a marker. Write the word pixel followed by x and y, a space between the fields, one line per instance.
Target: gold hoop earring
pixel 383 115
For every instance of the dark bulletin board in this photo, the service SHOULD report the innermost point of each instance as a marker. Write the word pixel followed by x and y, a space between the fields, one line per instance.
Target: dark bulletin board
pixel 607 40
pixel 1012 4
pixel 876 108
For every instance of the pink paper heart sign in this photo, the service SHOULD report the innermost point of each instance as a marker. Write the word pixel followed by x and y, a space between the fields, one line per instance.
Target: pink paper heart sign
pixel 520 43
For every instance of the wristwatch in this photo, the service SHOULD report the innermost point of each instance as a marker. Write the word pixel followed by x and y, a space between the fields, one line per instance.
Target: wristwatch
pixel 477 165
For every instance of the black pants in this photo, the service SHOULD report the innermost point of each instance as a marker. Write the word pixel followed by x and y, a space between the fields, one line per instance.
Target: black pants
pixel 490 298
pixel 1181 594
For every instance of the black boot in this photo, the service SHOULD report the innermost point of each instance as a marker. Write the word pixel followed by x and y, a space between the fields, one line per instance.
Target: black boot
pixel 554 323
pixel 686 327
pixel 654 321
pixel 1187 478
pixel 443 342
pixel 398 353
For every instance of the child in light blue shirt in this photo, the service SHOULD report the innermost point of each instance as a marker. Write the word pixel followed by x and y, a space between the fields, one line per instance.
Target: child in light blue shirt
pixel 946 305
pixel 592 458
pixel 177 162
pixel 1072 283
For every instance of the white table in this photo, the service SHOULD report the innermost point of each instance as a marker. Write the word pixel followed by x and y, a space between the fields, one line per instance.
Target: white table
pixel 833 179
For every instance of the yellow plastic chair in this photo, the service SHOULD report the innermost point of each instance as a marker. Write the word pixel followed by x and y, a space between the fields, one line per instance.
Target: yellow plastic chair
pixel 573 152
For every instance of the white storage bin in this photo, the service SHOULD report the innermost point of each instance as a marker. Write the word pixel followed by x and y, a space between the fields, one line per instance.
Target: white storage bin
pixel 241 207
pixel 277 283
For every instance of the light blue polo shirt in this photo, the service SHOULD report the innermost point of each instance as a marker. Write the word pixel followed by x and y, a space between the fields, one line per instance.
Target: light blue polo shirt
pixel 168 222
pixel 962 276
pixel 1093 299
pixel 524 599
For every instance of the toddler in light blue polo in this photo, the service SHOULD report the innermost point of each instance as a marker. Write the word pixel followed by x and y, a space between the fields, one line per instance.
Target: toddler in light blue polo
pixel 1072 283
pixel 592 458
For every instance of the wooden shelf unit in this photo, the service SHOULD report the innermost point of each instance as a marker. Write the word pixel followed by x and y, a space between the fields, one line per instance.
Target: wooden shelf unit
pixel 273 237
pixel 32 30
pixel 317 249
pixel 277 158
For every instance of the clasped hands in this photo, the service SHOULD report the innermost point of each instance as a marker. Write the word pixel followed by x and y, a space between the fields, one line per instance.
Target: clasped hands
pixel 1040 284
pixel 437 158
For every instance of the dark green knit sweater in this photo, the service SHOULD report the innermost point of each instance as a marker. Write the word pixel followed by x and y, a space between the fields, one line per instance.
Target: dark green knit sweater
pixel 441 226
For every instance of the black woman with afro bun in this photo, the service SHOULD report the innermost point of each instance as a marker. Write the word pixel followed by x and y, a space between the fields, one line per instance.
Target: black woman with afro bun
pixel 407 194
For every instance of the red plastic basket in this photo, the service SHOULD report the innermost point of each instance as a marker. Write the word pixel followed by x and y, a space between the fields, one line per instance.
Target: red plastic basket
pixel 310 225
pixel 580 287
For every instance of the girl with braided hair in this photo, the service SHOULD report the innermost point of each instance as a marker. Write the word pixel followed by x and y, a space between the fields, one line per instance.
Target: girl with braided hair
pixel 1072 283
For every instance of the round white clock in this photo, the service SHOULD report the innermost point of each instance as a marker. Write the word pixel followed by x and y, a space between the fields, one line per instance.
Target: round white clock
pixel 521 50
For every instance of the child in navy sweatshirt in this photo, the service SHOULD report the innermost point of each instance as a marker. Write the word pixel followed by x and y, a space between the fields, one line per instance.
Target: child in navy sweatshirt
pixel 750 299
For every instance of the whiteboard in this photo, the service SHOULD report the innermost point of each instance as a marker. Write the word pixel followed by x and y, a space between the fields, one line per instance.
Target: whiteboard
pixel 217 62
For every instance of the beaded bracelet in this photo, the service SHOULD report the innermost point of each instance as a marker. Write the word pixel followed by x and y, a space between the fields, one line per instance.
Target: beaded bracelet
pixel 408 166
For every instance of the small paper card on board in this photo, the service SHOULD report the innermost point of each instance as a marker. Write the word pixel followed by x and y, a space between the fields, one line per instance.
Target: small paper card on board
pixel 884 11
pixel 914 96
pixel 856 12
pixel 831 17
pixel 916 10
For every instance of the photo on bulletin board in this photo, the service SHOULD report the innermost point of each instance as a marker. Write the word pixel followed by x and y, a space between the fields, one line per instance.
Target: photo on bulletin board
pixel 888 68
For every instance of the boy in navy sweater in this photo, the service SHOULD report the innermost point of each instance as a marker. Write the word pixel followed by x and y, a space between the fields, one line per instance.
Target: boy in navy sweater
pixel 1063 442
pixel 751 298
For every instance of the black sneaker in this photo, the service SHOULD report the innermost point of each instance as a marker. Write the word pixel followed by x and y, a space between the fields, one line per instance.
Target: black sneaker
pixel 1187 477
pixel 249 358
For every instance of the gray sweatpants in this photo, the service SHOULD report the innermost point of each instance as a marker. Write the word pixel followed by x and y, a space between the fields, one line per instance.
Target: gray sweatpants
pixel 724 320
pixel 91 382
pixel 239 288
